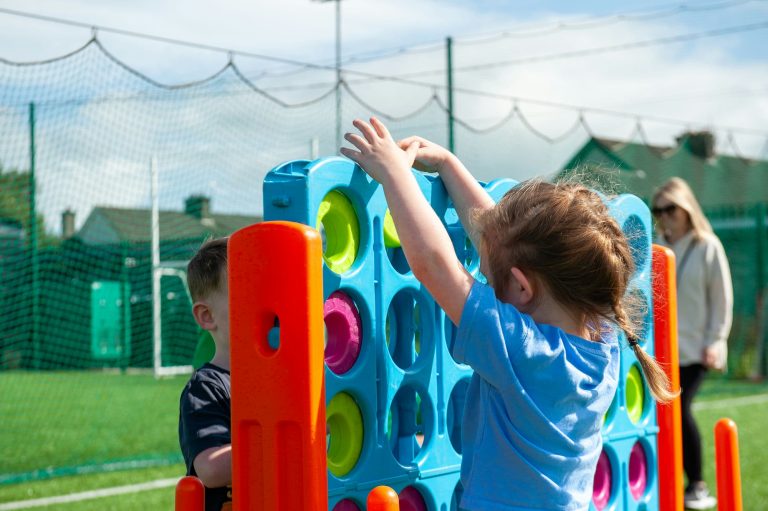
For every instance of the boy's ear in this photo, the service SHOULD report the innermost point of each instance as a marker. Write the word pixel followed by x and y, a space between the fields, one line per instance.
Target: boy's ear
pixel 523 286
pixel 203 315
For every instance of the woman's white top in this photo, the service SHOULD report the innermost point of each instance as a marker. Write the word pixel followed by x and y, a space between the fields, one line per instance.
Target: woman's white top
pixel 704 297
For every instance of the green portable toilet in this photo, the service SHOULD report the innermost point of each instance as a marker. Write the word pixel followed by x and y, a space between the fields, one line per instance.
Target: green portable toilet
pixel 110 320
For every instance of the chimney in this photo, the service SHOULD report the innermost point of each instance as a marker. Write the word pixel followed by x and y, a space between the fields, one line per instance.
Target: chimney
pixel 67 224
pixel 699 143
pixel 198 206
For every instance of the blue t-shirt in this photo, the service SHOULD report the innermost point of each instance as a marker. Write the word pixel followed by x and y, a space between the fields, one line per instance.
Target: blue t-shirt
pixel 534 408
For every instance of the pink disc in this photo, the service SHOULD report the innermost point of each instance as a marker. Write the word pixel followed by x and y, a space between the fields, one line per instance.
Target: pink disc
pixel 601 488
pixel 346 505
pixel 411 500
pixel 342 322
pixel 638 471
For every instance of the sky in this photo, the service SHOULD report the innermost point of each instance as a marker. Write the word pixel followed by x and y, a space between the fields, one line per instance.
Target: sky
pixel 717 80
pixel 591 55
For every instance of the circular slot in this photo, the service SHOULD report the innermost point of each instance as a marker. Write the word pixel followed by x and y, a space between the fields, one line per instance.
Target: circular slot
pixel 346 505
pixel 340 229
pixel 406 425
pixel 411 500
pixel 455 412
pixel 636 235
pixel 458 491
pixel 449 330
pixel 603 482
pixel 344 425
pixel 404 329
pixel 392 245
pixel 462 246
pixel 610 413
pixel 343 332
pixel 391 238
pixel 398 261
pixel 470 258
pixel 640 313
pixel 638 471
pixel 465 250
pixel 635 394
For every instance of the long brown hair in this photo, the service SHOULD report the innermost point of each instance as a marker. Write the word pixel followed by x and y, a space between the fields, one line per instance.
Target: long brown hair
pixel 564 237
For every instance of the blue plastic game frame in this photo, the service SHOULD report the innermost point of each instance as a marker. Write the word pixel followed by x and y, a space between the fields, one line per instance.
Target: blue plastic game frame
pixel 389 374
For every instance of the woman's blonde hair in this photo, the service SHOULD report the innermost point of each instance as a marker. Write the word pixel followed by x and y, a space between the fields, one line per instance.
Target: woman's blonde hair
pixel 564 237
pixel 677 191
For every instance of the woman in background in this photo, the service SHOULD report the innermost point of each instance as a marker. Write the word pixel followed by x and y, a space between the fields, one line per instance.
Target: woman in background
pixel 705 303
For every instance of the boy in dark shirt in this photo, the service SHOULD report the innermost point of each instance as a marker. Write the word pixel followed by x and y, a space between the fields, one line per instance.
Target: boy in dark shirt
pixel 204 418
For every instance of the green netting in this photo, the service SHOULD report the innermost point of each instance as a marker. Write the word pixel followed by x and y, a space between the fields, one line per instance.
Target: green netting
pixel 77 134
pixel 744 233
pixel 733 192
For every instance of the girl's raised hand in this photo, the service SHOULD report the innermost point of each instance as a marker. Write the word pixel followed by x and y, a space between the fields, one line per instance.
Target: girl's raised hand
pixel 377 153
pixel 430 156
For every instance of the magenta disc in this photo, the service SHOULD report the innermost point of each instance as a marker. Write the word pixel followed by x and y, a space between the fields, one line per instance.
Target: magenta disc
pixel 342 322
pixel 601 489
pixel 345 505
pixel 411 500
pixel 638 471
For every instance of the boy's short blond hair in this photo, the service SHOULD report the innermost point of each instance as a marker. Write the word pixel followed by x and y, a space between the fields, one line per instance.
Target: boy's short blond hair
pixel 207 268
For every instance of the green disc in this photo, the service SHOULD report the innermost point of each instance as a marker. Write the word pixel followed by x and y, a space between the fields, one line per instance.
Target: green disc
pixel 635 394
pixel 338 219
pixel 391 239
pixel 345 434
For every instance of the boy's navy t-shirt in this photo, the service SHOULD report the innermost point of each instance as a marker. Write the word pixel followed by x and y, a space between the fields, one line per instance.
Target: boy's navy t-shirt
pixel 531 432
pixel 204 422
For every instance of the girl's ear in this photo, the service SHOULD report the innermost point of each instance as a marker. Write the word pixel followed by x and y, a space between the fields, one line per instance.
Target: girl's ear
pixel 522 286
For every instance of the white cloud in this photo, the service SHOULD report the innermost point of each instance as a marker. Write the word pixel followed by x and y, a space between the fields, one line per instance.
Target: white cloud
pixel 216 142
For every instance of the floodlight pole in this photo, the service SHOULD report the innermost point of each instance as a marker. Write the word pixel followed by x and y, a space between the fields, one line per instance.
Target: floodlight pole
pixel 33 241
pixel 338 74
pixel 157 336
pixel 449 84
pixel 338 69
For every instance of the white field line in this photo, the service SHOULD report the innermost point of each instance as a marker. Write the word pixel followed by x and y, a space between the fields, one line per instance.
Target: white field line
pixel 731 402
pixel 92 494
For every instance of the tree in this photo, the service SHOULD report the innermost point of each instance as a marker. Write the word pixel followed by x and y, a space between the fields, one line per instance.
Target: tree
pixel 14 204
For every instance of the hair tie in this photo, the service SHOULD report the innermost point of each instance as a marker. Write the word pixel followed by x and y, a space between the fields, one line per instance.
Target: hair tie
pixel 633 341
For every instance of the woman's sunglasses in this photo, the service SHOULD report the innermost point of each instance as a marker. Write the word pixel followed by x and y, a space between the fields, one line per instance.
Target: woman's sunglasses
pixel 668 210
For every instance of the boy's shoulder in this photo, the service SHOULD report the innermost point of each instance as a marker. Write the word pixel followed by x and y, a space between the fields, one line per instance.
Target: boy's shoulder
pixel 209 370
pixel 213 378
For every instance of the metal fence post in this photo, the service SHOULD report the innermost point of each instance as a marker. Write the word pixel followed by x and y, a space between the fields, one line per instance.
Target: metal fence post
pixel 33 242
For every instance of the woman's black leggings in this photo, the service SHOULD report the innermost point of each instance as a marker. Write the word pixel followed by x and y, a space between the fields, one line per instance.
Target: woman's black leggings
pixel 690 380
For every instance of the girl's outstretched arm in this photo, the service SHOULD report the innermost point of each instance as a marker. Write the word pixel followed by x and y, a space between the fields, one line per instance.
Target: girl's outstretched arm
pixel 467 194
pixel 425 242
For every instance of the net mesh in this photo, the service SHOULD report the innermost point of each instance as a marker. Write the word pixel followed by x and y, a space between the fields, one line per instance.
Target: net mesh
pixel 77 135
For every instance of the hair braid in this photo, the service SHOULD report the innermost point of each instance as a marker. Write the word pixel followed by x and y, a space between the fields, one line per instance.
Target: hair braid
pixel 657 379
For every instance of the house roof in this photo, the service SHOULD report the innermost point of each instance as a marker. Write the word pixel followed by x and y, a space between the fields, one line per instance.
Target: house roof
pixel 640 168
pixel 134 224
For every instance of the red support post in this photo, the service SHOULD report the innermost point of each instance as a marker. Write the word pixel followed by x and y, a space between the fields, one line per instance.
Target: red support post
pixel 190 494
pixel 278 380
pixel 727 466
pixel 670 438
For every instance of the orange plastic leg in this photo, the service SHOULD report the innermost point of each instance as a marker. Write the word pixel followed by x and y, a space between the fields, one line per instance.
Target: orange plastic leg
pixel 670 438
pixel 278 380
pixel 190 494
pixel 727 466
pixel 383 498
